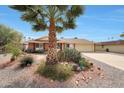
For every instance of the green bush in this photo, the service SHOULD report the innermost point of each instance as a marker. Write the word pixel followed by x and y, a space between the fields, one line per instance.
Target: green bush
pixel 83 63
pixel 69 55
pixel 64 71
pixel 58 71
pixel 41 67
pixel 14 50
pixel 25 61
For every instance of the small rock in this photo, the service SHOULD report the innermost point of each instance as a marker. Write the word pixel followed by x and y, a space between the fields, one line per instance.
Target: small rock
pixel 83 78
pixel 98 68
pixel 77 82
pixel 86 81
pixel 99 73
pixel 91 69
pixel 66 63
pixel 51 81
pixel 89 78
pixel 28 65
pixel 78 69
pixel 102 76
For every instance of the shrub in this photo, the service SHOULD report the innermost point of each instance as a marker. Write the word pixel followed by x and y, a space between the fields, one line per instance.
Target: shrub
pixel 58 71
pixel 69 55
pixel 25 61
pixel 41 67
pixel 84 64
pixel 14 50
pixel 50 71
pixel 64 71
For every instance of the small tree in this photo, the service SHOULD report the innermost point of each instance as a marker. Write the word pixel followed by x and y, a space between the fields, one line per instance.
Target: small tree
pixel 10 40
pixel 14 50
pixel 9 35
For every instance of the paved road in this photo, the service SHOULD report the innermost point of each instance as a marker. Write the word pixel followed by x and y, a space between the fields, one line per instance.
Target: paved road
pixel 112 59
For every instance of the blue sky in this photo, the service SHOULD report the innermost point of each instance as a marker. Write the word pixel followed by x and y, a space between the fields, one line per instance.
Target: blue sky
pixel 99 23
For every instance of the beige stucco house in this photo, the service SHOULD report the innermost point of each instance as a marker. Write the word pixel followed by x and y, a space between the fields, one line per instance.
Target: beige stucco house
pixel 41 44
pixel 82 45
pixel 111 46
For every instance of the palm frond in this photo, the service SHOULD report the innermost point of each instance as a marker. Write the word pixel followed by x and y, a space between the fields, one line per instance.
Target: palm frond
pixel 39 27
pixel 77 10
pixel 70 24
pixel 20 8
pixel 62 7
pixel 60 20
pixel 29 17
pixel 38 15
pixel 59 29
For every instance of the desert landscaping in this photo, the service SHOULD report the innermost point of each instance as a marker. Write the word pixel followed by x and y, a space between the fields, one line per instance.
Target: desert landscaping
pixel 30 58
pixel 100 75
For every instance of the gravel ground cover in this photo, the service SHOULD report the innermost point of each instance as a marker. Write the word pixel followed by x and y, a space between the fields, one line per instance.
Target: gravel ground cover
pixel 101 75
pixel 4 58
pixel 114 76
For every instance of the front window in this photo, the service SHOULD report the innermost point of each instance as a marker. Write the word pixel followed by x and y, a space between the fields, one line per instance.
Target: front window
pixel 37 45
pixel 58 46
pixel 40 45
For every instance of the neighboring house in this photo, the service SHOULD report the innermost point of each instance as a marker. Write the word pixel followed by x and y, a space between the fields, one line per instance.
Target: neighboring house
pixel 111 46
pixel 41 44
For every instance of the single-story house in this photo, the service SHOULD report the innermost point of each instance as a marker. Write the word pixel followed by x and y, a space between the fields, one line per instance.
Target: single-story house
pixel 82 45
pixel 111 46
pixel 42 44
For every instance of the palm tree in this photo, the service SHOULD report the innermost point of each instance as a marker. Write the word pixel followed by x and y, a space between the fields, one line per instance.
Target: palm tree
pixel 54 18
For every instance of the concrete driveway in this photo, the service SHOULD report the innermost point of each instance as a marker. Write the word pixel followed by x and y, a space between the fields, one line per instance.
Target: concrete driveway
pixel 112 59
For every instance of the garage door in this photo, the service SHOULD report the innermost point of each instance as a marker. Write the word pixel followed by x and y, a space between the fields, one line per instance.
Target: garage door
pixel 84 48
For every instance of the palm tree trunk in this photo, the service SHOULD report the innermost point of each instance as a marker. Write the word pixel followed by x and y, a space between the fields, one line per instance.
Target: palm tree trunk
pixel 52 51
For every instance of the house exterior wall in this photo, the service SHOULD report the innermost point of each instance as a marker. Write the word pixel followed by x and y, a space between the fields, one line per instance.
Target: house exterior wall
pixel 45 46
pixel 31 46
pixel 38 46
pixel 85 47
pixel 112 48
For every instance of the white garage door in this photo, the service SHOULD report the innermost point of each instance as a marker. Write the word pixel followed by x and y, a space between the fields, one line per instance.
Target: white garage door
pixel 85 48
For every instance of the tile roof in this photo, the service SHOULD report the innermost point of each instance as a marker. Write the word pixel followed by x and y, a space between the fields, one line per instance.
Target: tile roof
pixel 76 41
